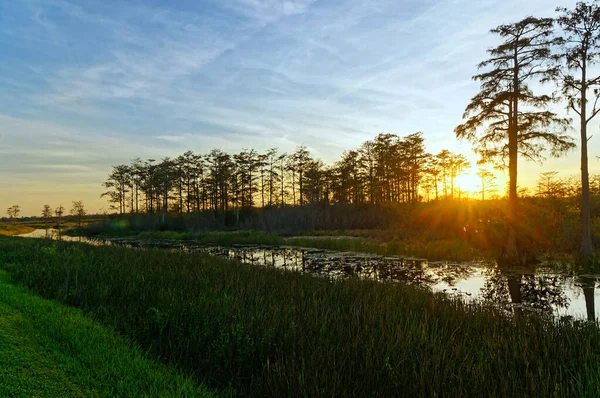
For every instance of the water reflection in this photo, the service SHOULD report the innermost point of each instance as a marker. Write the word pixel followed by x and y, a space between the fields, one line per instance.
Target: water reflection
pixel 588 284
pixel 51 233
pixel 518 290
pixel 542 289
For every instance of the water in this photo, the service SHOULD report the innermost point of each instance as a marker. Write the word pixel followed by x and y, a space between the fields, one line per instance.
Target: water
pixel 50 233
pixel 542 289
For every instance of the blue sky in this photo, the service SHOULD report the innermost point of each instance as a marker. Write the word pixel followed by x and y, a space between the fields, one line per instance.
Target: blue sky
pixel 88 84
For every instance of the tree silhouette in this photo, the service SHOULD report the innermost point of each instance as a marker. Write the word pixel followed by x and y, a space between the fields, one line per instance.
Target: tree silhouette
pixel 58 212
pixel 458 164
pixel 46 215
pixel 506 119
pixel 488 183
pixel 579 50
pixel 117 184
pixel 549 186
pixel 301 159
pixel 78 211
pixel 13 211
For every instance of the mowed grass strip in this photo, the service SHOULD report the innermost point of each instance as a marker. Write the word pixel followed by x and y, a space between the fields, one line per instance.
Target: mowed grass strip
pixel 49 350
pixel 263 332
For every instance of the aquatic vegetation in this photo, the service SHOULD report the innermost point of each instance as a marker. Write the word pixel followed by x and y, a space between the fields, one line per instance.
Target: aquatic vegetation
pixel 445 249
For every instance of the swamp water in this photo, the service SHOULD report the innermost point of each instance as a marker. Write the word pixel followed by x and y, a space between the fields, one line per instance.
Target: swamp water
pixel 541 288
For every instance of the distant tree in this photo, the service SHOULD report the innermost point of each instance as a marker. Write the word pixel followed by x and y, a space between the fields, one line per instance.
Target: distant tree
pixel 579 50
pixel 549 186
pixel 450 166
pixel 433 171
pixel 137 177
pixel 416 162
pixel 367 158
pixel 46 215
pixel 220 166
pixel 167 178
pixel 347 178
pixel 301 159
pixel 506 118
pixel 281 159
pixel 117 183
pixel 385 149
pixel 314 182
pixel 443 161
pixel 458 165
pixel 271 159
pixel 262 169
pixel 58 212
pixel 78 211
pixel 13 211
pixel 290 168
pixel 488 182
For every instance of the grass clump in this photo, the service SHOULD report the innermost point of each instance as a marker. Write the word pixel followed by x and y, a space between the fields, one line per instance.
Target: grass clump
pixel 49 350
pixel 264 332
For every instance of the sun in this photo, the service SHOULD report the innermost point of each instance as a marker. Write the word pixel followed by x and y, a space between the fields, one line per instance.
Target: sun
pixel 468 183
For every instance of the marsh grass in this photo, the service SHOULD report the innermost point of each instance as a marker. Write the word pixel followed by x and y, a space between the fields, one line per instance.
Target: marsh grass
pixel 264 332
pixel 49 350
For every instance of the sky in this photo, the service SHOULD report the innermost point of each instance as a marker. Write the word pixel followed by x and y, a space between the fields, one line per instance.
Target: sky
pixel 88 84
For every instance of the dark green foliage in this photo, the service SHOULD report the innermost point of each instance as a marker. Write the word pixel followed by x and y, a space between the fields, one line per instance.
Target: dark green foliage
pixel 270 333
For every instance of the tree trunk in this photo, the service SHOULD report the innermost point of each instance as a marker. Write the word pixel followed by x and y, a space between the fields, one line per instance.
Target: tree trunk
pixel 511 254
pixel 301 189
pixel 137 198
pixel 587 249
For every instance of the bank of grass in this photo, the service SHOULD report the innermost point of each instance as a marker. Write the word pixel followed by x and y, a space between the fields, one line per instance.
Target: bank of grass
pixel 11 229
pixel 265 332
pixel 440 249
pixel 49 350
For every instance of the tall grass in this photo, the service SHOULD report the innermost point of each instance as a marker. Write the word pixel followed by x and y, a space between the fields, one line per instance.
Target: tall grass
pixel 270 333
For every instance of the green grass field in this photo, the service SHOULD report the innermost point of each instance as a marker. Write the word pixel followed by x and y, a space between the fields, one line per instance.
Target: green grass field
pixel 263 332
pixel 49 350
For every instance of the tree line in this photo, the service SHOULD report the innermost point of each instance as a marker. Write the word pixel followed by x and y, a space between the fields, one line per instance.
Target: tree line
pixel 388 169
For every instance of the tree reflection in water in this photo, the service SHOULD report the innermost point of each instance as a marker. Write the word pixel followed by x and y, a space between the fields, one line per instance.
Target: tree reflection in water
pixel 521 290
pixel 588 283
